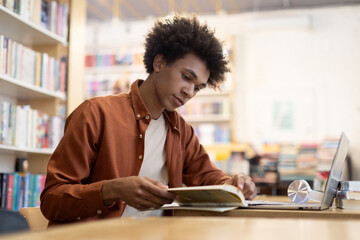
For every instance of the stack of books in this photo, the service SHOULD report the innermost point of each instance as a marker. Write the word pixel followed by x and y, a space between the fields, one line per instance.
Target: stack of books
pixel 348 195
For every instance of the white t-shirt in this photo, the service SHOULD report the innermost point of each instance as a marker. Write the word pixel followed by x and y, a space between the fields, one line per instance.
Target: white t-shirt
pixel 154 161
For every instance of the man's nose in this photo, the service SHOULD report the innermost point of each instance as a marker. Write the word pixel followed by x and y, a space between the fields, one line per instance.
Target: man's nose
pixel 188 91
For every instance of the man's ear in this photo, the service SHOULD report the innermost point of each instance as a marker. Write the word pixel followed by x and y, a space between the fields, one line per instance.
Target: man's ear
pixel 158 62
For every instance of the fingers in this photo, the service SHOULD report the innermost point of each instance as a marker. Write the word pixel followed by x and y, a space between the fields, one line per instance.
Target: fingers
pixel 245 184
pixel 147 203
pixel 159 190
pixel 250 191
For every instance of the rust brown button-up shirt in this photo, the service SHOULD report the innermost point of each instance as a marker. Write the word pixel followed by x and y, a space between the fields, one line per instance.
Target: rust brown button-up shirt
pixel 104 139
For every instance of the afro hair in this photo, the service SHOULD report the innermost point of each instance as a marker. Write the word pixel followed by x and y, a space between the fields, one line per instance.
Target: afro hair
pixel 175 36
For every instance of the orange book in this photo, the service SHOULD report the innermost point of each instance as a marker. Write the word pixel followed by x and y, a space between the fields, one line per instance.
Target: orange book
pixel 38 69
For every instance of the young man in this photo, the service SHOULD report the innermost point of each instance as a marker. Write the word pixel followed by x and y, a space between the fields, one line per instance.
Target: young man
pixel 120 153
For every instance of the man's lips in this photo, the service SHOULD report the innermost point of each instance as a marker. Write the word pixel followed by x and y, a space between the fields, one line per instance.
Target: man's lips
pixel 178 101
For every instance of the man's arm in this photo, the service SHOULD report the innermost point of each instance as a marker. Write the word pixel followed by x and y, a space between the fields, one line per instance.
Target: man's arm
pixel 66 197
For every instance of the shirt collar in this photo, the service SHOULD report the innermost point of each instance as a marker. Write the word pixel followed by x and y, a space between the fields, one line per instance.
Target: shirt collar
pixel 140 109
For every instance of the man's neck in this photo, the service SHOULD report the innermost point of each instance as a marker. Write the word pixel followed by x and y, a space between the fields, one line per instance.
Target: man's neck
pixel 147 93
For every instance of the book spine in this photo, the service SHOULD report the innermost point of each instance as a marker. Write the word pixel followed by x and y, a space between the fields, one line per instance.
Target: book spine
pixel 10 192
pixel 5 186
pixel 1 54
pixel 15 191
pixel 1 188
pixel 32 190
pixel 349 185
pixel 20 191
pixel 27 190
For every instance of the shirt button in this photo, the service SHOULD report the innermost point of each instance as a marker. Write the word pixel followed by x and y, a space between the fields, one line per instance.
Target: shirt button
pixel 78 218
pixel 138 116
pixel 140 136
pixel 147 117
pixel 140 156
pixel 99 212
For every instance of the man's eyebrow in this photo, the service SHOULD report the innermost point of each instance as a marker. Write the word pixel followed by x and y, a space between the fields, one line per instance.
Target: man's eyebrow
pixel 192 72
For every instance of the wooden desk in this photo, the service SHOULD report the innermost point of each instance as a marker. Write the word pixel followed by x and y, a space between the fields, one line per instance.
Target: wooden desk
pixel 332 213
pixel 173 228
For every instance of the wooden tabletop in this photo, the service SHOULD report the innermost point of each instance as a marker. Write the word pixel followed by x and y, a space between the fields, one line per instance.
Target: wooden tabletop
pixel 332 213
pixel 173 228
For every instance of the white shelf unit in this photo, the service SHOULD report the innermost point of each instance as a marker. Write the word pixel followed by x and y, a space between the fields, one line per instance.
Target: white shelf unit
pixel 115 69
pixel 210 111
pixel 26 32
pixel 24 150
pixel 208 118
pixel 40 39
pixel 21 90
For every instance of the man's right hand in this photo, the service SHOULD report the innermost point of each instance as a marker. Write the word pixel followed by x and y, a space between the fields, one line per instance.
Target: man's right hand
pixel 139 192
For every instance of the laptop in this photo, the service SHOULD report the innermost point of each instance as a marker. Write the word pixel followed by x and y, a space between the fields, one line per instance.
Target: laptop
pixel 330 187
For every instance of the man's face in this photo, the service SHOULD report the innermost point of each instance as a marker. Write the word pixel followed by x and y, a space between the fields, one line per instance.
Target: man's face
pixel 178 82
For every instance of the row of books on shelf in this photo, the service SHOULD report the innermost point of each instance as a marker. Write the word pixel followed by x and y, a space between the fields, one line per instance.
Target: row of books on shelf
pixel 199 107
pixel 94 85
pixel 210 133
pixel 22 126
pixel 348 195
pixel 20 189
pixel 303 159
pixel 51 15
pixel 107 60
pixel 285 162
pixel 26 65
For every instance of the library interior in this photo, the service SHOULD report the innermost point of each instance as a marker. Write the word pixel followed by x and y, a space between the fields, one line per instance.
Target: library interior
pixel 292 91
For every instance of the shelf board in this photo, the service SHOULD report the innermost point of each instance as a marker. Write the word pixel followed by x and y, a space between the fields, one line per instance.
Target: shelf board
pixel 213 118
pixel 115 69
pixel 21 30
pixel 21 90
pixel 211 92
pixel 11 149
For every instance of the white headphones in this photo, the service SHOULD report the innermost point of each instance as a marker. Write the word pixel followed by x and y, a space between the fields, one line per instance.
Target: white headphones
pixel 299 191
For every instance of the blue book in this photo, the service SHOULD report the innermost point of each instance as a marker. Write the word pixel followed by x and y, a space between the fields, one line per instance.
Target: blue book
pixel 27 190
pixel 36 190
pixel 31 191
pixel 20 191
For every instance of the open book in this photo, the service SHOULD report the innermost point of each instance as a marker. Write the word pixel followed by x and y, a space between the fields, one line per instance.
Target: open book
pixel 218 198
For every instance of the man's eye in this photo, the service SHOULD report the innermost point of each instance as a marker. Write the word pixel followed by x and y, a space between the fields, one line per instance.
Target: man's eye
pixel 186 77
pixel 197 89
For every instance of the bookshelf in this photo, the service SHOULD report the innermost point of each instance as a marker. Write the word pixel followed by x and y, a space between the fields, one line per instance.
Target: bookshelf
pixel 209 113
pixel 107 66
pixel 27 32
pixel 33 69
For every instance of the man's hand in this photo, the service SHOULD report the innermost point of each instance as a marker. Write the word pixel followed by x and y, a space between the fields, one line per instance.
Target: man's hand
pixel 139 192
pixel 245 184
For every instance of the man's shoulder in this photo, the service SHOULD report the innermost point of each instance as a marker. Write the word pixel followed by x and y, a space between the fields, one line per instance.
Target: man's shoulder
pixel 107 104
